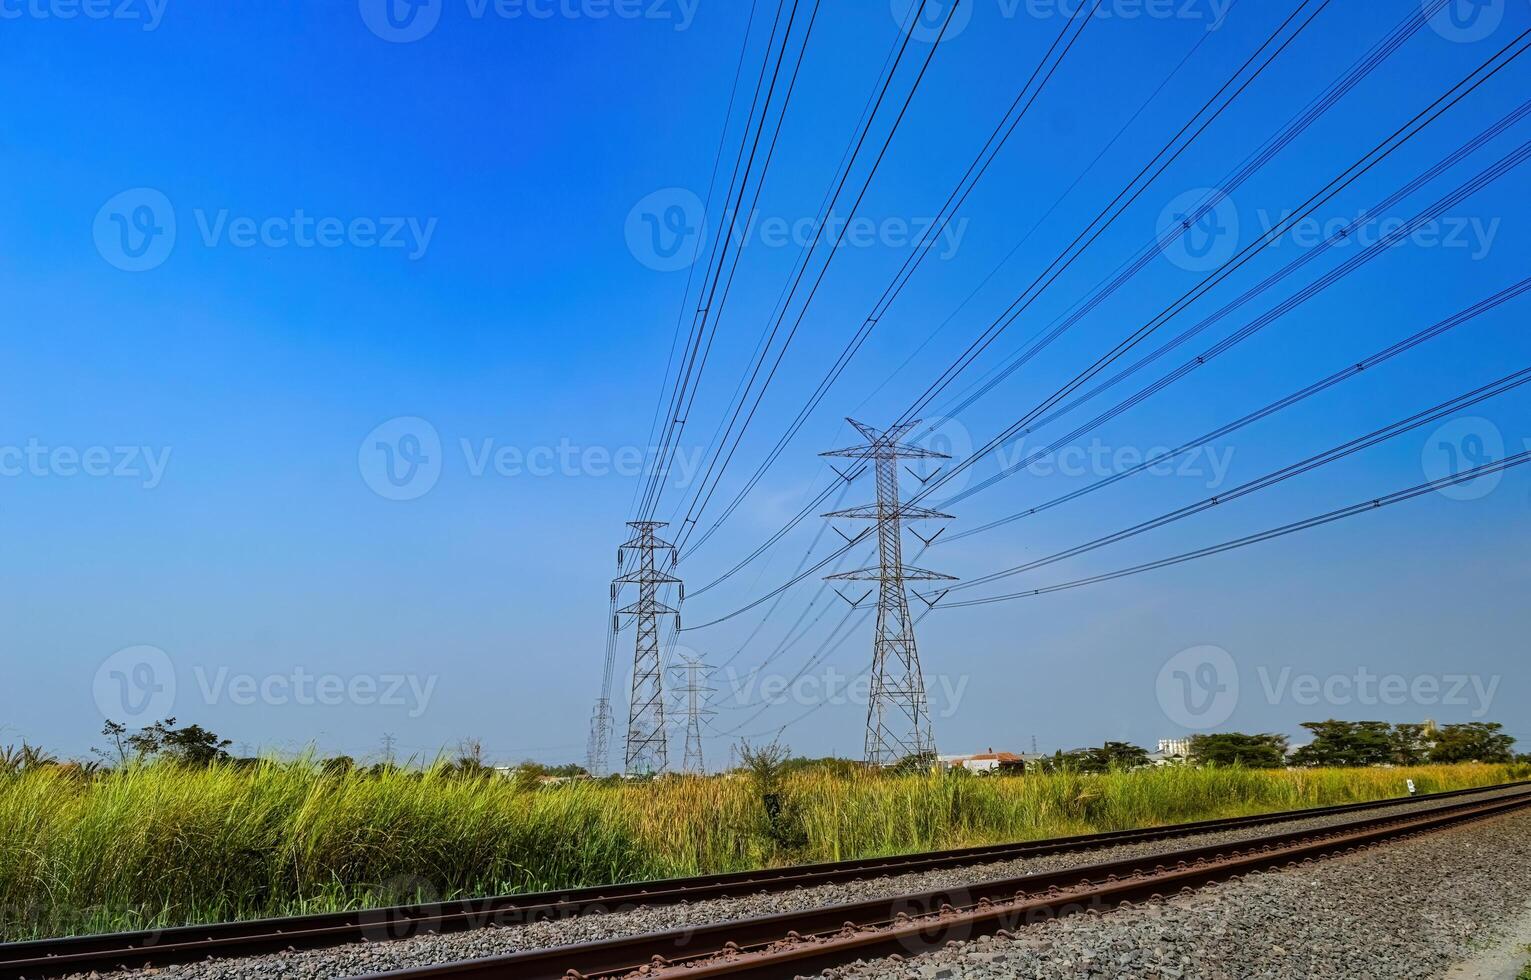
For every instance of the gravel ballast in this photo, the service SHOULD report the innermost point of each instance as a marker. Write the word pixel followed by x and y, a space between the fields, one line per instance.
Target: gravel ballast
pixel 1406 911
pixel 362 958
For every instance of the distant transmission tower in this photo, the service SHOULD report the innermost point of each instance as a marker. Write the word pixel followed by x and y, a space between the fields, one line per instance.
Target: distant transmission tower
pixel 598 747
pixel 646 747
pixel 694 695
pixel 898 715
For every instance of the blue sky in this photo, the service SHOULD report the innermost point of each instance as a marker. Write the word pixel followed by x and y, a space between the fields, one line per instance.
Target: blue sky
pixel 442 221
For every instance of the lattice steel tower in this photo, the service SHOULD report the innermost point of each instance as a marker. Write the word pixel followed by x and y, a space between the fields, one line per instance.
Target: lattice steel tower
pixel 647 751
pixel 898 715
pixel 598 747
pixel 694 694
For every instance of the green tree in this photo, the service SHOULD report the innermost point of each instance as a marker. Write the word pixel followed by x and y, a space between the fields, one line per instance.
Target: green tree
pixel 1236 748
pixel 192 745
pixel 115 733
pixel 1348 743
pixel 1411 745
pixel 1475 741
pixel 1112 755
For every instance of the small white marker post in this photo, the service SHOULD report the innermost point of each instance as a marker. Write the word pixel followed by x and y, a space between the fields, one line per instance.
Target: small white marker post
pixel 1411 787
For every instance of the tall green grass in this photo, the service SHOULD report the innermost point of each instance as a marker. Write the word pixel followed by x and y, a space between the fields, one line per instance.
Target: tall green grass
pixel 158 845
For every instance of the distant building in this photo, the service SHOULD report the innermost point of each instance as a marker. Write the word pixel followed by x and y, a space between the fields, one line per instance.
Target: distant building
pixel 1171 752
pixel 986 763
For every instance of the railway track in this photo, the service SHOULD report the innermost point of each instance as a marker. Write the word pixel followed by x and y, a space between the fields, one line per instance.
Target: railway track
pixel 807 942
pixel 104 953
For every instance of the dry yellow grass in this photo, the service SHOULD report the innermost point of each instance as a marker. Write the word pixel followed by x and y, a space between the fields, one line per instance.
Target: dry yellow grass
pixel 159 845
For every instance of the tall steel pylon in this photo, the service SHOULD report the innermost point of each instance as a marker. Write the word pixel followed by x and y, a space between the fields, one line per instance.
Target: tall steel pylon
pixel 598 746
pixel 694 693
pixel 647 750
pixel 898 714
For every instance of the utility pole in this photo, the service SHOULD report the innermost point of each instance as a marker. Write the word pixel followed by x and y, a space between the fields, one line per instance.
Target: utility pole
pixel 694 693
pixel 647 751
pixel 388 743
pixel 898 714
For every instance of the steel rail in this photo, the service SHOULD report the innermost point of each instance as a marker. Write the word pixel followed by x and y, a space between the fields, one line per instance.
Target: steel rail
pixel 105 952
pixel 809 941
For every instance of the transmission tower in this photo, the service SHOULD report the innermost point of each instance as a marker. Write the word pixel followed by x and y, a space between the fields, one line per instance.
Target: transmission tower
pixel 646 748
pixel 898 715
pixel 694 695
pixel 598 747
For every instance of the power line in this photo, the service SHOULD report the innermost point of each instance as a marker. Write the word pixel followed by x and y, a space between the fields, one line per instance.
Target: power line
pixel 959 194
pixel 1367 506
pixel 691 515
pixel 1352 173
pixel 1350 265
pixel 687 381
pixel 993 331
pixel 1350 371
pixel 1386 147
pixel 1393 430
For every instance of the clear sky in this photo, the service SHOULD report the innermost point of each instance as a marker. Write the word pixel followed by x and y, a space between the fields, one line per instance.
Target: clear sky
pixel 331 332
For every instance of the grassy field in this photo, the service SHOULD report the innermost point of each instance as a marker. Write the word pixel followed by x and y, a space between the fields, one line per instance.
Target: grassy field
pixel 158 845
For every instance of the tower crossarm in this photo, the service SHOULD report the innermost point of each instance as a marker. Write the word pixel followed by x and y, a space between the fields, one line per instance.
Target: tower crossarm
pixel 874 512
pixel 906 572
